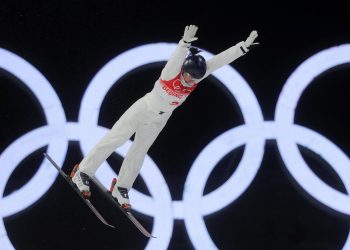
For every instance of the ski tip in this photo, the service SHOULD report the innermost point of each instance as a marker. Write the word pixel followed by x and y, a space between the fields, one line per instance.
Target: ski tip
pixel 107 224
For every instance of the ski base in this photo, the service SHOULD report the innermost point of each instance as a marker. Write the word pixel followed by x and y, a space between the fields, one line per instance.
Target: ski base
pixel 107 194
pixel 128 214
pixel 86 201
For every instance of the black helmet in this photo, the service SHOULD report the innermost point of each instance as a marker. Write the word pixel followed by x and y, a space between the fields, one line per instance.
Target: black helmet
pixel 194 64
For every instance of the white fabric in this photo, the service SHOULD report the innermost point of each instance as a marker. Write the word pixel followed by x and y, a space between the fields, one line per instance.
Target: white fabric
pixel 251 38
pixel 189 33
pixel 139 118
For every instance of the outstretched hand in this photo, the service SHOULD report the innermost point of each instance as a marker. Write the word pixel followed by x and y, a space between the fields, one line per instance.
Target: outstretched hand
pixel 189 33
pixel 250 40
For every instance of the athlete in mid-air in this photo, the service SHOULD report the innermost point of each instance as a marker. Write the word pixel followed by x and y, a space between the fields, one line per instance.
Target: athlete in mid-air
pixel 147 116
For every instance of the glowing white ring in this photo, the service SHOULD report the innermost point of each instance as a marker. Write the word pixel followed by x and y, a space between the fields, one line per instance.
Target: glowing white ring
pixel 286 141
pixel 52 108
pixel 201 169
pixel 54 114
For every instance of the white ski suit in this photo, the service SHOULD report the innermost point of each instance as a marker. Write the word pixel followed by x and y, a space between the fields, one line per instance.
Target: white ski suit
pixel 148 115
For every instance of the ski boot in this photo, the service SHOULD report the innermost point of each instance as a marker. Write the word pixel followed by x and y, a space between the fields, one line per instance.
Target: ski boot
pixel 120 194
pixel 81 181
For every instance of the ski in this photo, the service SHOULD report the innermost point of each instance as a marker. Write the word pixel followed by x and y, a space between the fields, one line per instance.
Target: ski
pixel 86 201
pixel 128 214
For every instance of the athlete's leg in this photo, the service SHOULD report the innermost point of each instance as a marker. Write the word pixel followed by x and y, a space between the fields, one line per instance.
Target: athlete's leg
pixel 144 138
pixel 122 130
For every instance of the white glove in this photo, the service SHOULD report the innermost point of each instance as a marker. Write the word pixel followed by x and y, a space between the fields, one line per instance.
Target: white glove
pixel 189 34
pixel 251 38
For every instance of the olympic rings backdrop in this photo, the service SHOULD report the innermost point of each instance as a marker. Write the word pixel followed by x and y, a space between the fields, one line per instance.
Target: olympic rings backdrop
pixel 191 177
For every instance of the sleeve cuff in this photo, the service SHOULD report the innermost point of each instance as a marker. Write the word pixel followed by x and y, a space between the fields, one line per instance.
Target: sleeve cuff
pixel 183 43
pixel 243 48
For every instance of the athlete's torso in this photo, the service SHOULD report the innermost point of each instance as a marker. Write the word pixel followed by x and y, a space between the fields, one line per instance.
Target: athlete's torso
pixel 169 94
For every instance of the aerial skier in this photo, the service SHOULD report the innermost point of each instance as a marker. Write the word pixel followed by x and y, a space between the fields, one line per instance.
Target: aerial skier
pixel 147 116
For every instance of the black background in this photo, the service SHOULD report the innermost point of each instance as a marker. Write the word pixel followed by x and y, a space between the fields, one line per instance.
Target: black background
pixel 69 41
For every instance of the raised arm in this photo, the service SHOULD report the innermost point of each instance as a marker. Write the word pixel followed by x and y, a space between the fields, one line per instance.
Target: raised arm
pixel 230 54
pixel 174 64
